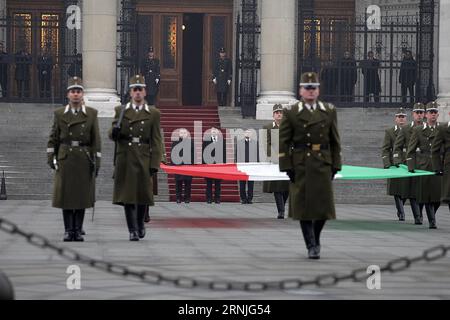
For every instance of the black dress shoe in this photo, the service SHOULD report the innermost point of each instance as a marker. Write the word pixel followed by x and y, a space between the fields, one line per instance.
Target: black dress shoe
pixel 68 237
pixel 243 201
pixel 280 216
pixel 83 233
pixel 249 202
pixel 217 201
pixel 141 233
pixel 208 201
pixel 418 222
pixel 147 219
pixel 313 254
pixel 187 201
pixel 78 237
pixel 134 236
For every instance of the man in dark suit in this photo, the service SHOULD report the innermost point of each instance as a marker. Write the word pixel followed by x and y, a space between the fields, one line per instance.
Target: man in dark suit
pixel 182 153
pixel 372 83
pixel 408 76
pixel 4 65
pixel 213 152
pixel 247 151
pixel 45 68
pixel 23 62
pixel 223 74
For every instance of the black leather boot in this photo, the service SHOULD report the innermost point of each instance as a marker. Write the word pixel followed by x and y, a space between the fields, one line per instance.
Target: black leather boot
pixel 78 219
pixel 308 236
pixel 68 225
pixel 147 214
pixel 416 211
pixel 131 216
pixel 429 208
pixel 317 227
pixel 140 220
pixel 400 208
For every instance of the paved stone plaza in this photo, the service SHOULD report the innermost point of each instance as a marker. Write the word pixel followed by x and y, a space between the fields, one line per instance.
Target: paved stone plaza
pixel 224 242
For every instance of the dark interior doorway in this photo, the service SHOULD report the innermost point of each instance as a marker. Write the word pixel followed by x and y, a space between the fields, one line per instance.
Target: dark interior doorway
pixel 192 58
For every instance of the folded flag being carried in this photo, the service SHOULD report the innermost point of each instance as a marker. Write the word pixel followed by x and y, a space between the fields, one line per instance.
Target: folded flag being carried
pixel 270 172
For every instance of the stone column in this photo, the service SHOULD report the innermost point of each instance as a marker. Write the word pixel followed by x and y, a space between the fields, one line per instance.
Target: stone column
pixel 99 55
pixel 444 61
pixel 277 56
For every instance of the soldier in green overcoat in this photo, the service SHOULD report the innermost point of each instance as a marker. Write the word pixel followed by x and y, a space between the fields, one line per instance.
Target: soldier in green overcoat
pixel 136 132
pixel 280 189
pixel 310 154
pixel 394 186
pixel 409 185
pixel 418 157
pixel 441 164
pixel 74 152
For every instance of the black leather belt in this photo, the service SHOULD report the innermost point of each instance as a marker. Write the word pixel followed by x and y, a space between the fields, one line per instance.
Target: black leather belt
pixel 136 140
pixel 311 146
pixel 75 144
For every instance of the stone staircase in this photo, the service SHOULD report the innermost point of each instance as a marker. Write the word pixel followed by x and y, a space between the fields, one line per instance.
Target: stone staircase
pixel 24 130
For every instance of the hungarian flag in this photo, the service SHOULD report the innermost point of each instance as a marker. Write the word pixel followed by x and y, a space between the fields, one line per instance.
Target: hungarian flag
pixel 270 172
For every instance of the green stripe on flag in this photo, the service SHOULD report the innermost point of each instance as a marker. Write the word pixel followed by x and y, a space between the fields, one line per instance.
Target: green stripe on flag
pixel 365 173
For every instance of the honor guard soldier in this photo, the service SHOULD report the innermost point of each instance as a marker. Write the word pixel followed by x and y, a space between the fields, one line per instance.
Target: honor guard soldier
pixel 394 186
pixel 419 157
pixel 409 185
pixel 150 69
pixel 441 164
pixel 222 77
pixel 280 189
pixel 310 154
pixel 45 67
pixel 136 132
pixel 74 152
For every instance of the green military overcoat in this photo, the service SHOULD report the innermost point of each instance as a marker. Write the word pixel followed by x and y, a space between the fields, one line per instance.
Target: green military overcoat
pixel 273 186
pixel 419 157
pixel 394 186
pixel 311 196
pixel 74 183
pixel 138 150
pixel 408 187
pixel 441 146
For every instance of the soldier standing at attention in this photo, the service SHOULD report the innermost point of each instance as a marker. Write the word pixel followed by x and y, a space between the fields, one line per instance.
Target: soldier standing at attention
pixel 45 68
pixel 419 157
pixel 74 152
pixel 394 186
pixel 150 68
pixel 441 165
pixel 222 77
pixel 4 65
pixel 409 185
pixel 280 189
pixel 310 154
pixel 136 132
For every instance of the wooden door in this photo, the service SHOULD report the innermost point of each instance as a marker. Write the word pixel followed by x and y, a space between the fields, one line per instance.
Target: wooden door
pixel 217 33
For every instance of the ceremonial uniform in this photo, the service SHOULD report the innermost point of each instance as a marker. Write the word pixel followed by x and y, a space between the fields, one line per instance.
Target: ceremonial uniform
pixel 394 186
pixel 310 153
pixel 419 157
pixel 280 189
pixel 440 152
pixel 150 68
pixel 74 152
pixel 136 132
pixel 222 76
pixel 408 187
pixel 45 68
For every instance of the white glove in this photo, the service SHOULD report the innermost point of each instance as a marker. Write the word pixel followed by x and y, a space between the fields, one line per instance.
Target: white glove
pixel 229 82
pixel 157 81
pixel 215 81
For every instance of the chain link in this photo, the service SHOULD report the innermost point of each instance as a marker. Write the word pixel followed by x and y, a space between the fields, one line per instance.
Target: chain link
pixel 156 278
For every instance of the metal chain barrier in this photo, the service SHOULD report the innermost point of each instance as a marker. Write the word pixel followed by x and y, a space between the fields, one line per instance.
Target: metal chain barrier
pixel 156 278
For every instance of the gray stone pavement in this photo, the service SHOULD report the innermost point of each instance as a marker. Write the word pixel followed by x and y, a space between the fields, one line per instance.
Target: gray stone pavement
pixel 225 242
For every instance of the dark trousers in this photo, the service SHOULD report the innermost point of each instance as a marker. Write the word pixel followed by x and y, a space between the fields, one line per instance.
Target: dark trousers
pixel 135 215
pixel 4 84
pixel 280 200
pixel 217 187
pixel 405 89
pixel 187 189
pixel 311 230
pixel 45 83
pixel 151 100
pixel 23 88
pixel 222 98
pixel 246 190
pixel 73 220
pixel 347 93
